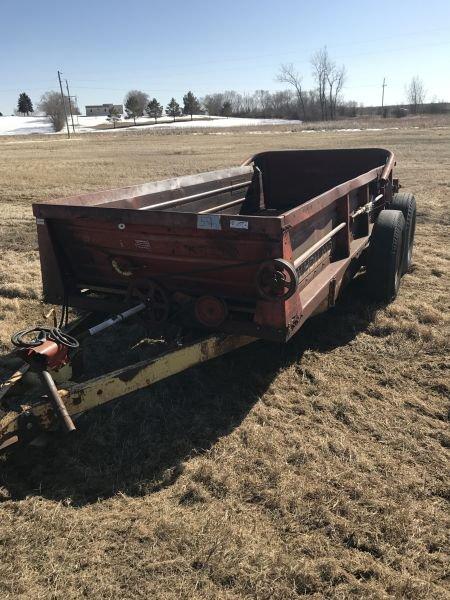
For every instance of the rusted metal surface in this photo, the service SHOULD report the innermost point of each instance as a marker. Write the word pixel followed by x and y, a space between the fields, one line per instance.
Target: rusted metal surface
pixel 313 249
pixel 57 402
pixel 209 235
pixel 18 421
pixel 199 196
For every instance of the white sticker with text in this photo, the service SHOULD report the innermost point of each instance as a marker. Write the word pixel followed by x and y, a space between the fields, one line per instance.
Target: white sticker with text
pixel 235 224
pixel 208 222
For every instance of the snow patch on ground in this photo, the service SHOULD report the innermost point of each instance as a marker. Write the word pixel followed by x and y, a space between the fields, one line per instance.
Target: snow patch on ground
pixel 26 125
pixel 42 125
pixel 199 121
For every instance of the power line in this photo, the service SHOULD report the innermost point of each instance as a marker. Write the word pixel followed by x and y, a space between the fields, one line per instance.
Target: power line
pixel 378 51
pixel 299 50
pixel 260 66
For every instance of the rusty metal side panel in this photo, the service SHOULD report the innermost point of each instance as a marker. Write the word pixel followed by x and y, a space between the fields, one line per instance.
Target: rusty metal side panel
pixel 136 195
pixel 50 269
pixel 319 203
pixel 221 254
pixel 186 252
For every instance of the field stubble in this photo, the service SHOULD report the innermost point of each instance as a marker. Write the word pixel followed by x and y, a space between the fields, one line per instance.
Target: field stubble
pixel 317 468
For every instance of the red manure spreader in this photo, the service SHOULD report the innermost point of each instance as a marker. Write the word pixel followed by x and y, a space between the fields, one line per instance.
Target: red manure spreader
pixel 234 255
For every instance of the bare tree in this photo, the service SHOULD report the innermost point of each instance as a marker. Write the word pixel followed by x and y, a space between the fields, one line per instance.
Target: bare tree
pixel 248 104
pixel 52 105
pixel 285 104
pixel 321 66
pixel 281 103
pixel 226 109
pixel 213 103
pixel 415 92
pixel 263 101
pixel 135 104
pixel 73 102
pixel 289 75
pixel 336 80
pixel 236 100
pixel 330 80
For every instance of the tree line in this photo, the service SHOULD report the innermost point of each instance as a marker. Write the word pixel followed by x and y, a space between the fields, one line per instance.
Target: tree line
pixel 137 103
pixel 321 103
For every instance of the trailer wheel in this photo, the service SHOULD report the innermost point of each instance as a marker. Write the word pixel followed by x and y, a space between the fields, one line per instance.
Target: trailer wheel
pixel 384 262
pixel 407 204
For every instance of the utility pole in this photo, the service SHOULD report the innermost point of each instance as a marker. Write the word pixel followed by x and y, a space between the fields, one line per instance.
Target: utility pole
pixel 70 106
pixel 64 104
pixel 76 104
pixel 382 96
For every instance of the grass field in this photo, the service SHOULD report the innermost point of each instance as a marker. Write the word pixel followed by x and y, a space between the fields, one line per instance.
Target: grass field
pixel 318 468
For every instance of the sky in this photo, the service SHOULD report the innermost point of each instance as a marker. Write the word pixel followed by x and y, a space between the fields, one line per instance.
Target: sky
pixel 105 48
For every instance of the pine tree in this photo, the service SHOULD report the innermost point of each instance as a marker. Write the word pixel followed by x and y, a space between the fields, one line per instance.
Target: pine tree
pixel 132 108
pixel 154 109
pixel 191 104
pixel 173 109
pixel 113 115
pixel 24 104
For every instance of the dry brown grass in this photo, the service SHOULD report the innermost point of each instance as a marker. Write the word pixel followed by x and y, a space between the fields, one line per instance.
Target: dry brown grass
pixel 317 468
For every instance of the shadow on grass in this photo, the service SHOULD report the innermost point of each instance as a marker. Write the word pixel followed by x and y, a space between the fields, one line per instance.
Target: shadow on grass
pixel 138 444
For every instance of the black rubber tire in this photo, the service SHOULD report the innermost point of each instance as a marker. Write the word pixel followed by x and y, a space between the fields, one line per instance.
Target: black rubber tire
pixel 384 261
pixel 406 202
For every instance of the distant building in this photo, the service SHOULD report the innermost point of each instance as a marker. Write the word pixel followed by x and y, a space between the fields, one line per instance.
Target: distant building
pixel 100 110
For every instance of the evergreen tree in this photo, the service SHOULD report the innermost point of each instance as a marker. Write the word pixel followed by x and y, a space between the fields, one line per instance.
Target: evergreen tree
pixel 154 109
pixel 191 104
pixel 24 104
pixel 173 109
pixel 113 115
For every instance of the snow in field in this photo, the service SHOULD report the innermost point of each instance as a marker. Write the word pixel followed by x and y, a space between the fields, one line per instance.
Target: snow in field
pixel 25 125
pixel 199 121
pixel 228 122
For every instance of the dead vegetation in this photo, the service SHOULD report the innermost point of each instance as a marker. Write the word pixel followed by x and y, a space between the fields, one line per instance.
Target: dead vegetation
pixel 318 468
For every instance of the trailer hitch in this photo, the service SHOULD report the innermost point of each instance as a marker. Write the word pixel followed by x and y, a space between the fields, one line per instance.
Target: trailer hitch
pixel 20 422
pixel 47 349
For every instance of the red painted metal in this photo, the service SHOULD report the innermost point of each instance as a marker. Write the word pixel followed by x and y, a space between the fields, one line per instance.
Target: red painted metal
pixel 49 355
pixel 210 311
pixel 209 235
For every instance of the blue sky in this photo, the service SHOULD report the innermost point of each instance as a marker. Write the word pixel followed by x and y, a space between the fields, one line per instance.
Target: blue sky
pixel 106 48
